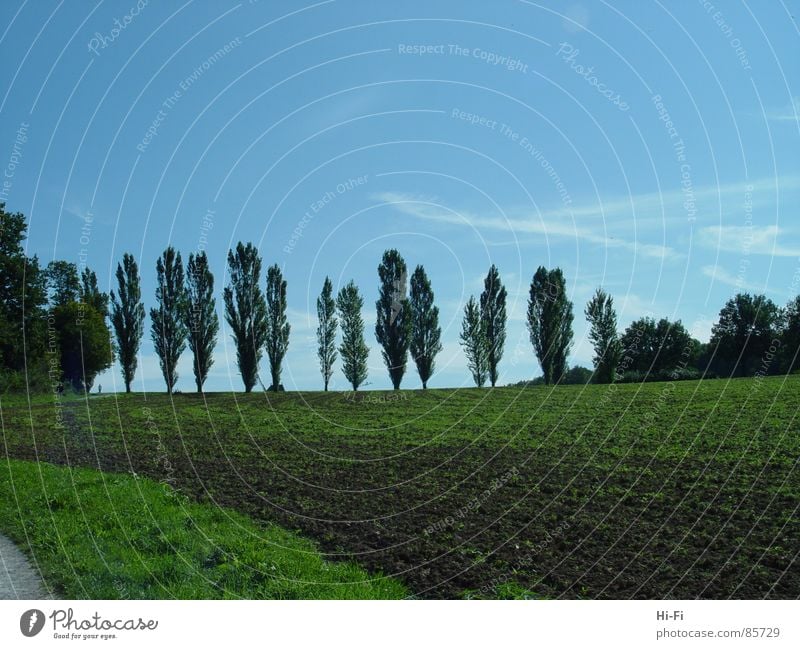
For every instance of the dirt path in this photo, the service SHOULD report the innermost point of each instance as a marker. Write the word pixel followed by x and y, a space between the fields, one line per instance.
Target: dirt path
pixel 18 578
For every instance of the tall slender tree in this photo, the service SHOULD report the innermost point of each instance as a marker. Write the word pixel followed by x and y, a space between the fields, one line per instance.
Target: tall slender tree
pixel 426 333
pixel 603 333
pixel 167 320
pixel 326 331
pixel 393 324
pixel 550 322
pixel 353 349
pixel 246 310
pixel 200 316
pixel 127 317
pixel 493 314
pixel 473 340
pixel 278 327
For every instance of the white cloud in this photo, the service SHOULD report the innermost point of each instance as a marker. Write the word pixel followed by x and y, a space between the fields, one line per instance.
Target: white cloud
pixel 701 328
pixel 631 307
pixel 748 240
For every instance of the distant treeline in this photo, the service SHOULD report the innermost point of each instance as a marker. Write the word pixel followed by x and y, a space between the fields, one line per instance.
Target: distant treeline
pixel 57 328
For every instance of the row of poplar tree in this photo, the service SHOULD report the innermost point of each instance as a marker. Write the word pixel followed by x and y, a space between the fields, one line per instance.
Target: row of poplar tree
pixel 53 324
pixel 185 313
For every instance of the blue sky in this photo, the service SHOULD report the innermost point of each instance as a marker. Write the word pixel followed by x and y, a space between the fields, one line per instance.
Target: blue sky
pixel 648 147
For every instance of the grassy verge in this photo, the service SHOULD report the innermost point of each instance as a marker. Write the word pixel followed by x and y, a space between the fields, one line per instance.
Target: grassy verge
pixel 110 536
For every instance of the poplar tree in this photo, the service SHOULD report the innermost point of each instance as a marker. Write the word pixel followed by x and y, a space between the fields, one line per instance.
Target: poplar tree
pixel 277 324
pixel 493 315
pixel 602 320
pixel 127 317
pixel 393 323
pixel 550 322
pixel 473 340
pixel 246 310
pixel 353 349
pixel 326 331
pixel 200 316
pixel 167 318
pixel 426 333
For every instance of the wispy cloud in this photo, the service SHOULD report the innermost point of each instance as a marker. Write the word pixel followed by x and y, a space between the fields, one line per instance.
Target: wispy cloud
pixel 654 208
pixel 748 240
pixel 790 113
pixel 719 274
pixel 544 224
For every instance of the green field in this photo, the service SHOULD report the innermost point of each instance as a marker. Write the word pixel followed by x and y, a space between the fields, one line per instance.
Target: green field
pixel 681 490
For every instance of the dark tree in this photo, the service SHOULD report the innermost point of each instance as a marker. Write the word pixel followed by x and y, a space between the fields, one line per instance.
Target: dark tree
pixel 426 333
pixel 393 324
pixel 473 340
pixel 326 331
pixel 77 316
pixel 200 316
pixel 127 317
pixel 493 314
pixel 84 343
pixel 660 350
pixel 748 327
pixel 63 283
pixel 353 349
pixel 23 316
pixel 550 322
pixel 603 333
pixel 167 320
pixel 277 325
pixel 577 375
pixel 640 346
pixel 246 310
pixel 678 350
pixel 790 337
pixel 90 293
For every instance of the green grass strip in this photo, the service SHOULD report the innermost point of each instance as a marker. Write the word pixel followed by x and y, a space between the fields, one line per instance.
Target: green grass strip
pixel 97 535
